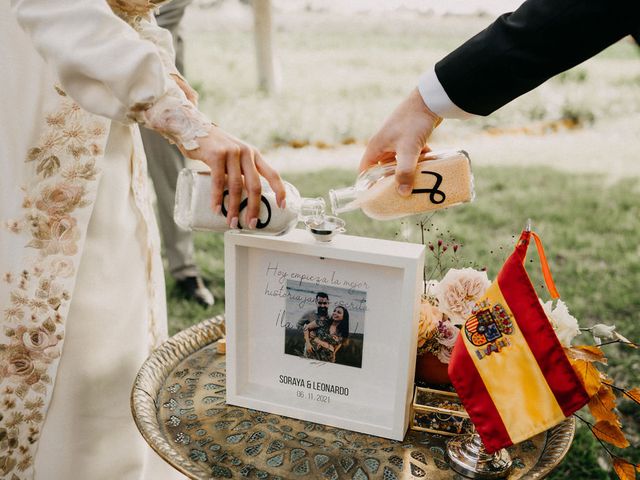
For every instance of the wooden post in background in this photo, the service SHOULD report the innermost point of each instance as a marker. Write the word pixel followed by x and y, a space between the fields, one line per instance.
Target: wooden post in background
pixel 263 33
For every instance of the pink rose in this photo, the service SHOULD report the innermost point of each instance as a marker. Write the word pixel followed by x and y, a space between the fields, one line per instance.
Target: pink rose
pixel 458 292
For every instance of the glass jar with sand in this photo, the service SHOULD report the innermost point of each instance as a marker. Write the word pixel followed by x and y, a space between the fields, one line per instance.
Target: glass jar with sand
pixel 193 207
pixel 443 179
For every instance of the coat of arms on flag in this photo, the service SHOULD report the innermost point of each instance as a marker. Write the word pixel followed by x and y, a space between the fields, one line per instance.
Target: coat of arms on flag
pixel 508 366
pixel 489 326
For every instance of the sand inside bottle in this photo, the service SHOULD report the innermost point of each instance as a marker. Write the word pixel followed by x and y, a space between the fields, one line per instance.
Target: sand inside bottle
pixel 439 184
pixel 203 218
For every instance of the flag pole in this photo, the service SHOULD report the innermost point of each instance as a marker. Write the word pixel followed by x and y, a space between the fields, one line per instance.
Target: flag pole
pixel 467 456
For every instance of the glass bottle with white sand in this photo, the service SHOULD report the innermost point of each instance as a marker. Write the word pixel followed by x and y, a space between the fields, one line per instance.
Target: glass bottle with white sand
pixel 193 207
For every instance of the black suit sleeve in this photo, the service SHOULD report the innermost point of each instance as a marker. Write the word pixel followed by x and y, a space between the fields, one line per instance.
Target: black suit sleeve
pixel 521 50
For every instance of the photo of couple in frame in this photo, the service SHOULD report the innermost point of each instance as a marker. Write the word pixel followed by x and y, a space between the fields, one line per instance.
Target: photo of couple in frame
pixel 325 323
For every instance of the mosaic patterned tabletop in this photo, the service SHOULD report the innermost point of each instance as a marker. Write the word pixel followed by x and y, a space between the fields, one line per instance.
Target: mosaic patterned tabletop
pixel 178 403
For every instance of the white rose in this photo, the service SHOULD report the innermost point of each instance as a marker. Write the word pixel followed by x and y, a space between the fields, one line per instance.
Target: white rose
pixel 565 325
pixel 608 332
pixel 459 291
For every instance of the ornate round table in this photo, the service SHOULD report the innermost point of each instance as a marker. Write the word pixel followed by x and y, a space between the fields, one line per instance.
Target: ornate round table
pixel 178 403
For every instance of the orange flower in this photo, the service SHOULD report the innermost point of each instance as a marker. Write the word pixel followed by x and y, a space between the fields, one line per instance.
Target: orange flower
pixel 430 317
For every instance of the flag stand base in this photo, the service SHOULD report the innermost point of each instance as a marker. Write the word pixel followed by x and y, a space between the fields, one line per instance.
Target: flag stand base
pixel 468 457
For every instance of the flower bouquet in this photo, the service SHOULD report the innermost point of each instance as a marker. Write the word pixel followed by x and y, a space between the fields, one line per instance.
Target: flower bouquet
pixel 444 306
pixel 448 303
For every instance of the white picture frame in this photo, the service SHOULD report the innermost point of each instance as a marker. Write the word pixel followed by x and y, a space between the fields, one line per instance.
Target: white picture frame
pixel 361 380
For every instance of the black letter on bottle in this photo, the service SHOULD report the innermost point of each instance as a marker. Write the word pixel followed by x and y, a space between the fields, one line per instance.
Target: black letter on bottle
pixel 432 191
pixel 243 205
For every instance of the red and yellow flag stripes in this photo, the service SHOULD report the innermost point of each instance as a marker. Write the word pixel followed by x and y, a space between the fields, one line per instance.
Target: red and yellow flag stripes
pixel 508 366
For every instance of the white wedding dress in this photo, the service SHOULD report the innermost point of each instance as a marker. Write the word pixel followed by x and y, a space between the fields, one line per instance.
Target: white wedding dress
pixel 82 299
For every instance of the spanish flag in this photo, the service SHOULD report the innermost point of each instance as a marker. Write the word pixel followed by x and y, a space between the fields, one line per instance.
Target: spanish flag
pixel 508 366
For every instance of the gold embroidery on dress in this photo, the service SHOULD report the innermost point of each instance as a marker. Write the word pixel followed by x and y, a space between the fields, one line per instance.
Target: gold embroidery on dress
pixel 64 164
pixel 134 8
pixel 31 343
pixel 142 197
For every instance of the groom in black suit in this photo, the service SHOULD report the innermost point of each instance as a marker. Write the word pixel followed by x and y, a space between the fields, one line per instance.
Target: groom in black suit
pixel 515 54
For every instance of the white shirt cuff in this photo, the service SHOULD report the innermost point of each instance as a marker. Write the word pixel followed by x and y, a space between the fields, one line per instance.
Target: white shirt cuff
pixel 436 99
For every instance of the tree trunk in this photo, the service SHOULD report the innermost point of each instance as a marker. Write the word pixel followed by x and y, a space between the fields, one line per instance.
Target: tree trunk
pixel 263 33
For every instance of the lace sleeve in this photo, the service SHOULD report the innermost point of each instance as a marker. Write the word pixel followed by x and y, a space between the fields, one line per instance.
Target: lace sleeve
pixel 174 117
pixel 109 67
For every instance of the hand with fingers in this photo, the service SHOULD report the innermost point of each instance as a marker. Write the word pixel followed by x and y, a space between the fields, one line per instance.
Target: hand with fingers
pixel 403 138
pixel 236 167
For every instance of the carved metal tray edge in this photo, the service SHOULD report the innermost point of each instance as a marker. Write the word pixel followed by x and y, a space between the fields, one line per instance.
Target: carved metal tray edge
pixel 559 440
pixel 165 358
pixel 150 379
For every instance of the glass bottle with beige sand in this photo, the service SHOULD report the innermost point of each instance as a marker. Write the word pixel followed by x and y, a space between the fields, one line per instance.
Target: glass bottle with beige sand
pixel 443 179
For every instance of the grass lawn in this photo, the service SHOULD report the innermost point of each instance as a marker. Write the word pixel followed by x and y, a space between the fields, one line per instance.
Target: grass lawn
pixel 591 231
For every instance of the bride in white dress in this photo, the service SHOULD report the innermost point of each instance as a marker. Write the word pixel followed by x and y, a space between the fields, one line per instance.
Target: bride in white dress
pixel 81 289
